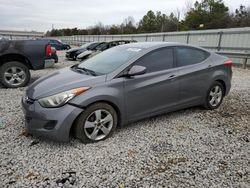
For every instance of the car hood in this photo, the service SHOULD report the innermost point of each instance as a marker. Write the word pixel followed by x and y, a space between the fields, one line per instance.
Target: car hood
pixel 59 81
pixel 85 53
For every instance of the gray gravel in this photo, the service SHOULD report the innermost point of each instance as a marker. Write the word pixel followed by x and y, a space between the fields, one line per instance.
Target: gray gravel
pixel 188 148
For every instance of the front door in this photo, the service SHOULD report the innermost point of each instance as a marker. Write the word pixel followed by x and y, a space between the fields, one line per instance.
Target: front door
pixel 155 91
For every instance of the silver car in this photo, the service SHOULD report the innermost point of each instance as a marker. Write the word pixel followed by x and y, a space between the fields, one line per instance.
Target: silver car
pixel 124 84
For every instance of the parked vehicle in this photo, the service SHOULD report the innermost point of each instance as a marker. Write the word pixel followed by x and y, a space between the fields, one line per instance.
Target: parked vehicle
pixel 57 44
pixel 124 84
pixel 74 52
pixel 17 57
pixel 101 47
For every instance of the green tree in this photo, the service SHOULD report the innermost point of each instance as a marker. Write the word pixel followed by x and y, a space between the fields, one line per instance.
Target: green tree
pixel 148 23
pixel 158 22
pixel 210 14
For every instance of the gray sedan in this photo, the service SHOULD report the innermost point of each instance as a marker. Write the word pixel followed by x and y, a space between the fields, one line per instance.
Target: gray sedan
pixel 124 84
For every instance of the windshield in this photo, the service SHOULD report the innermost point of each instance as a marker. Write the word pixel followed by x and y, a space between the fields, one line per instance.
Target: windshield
pixel 102 46
pixel 85 45
pixel 92 46
pixel 109 60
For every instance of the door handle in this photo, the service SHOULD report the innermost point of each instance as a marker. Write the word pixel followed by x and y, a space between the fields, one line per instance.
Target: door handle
pixel 172 77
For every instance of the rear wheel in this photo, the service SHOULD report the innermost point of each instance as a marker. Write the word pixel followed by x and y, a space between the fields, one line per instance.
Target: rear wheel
pixel 14 74
pixel 215 96
pixel 96 123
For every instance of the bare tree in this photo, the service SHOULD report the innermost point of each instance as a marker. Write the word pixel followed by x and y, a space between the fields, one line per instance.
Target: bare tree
pixel 188 7
pixel 178 15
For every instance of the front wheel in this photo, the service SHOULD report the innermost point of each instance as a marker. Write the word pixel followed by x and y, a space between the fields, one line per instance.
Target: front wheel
pixel 67 47
pixel 14 74
pixel 96 123
pixel 214 96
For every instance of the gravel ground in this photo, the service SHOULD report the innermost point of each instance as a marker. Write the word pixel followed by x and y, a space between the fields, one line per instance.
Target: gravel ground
pixel 187 148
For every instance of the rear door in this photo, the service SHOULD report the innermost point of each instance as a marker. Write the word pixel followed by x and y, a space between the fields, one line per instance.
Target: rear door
pixel 157 89
pixel 193 74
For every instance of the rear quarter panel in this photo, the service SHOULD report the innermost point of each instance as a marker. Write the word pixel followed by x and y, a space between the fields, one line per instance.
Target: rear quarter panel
pixel 219 71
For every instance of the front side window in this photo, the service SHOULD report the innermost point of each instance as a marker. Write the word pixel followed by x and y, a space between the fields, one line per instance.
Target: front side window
pixel 189 56
pixel 161 59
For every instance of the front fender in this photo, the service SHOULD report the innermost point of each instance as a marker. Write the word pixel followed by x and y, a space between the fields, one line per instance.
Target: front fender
pixel 111 95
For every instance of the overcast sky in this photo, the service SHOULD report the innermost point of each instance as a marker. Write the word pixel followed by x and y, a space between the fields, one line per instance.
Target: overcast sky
pixel 39 15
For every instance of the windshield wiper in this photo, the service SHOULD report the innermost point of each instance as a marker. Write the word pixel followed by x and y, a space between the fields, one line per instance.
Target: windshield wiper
pixel 88 71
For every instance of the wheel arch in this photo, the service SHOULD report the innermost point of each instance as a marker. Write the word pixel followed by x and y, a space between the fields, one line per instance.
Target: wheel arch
pixel 15 57
pixel 119 117
pixel 222 82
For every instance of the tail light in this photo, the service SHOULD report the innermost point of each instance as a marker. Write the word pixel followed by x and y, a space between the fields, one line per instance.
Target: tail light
pixel 48 50
pixel 228 63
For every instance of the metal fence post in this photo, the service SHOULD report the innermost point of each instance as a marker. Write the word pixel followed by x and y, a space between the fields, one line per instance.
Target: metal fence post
pixel 219 42
pixel 244 63
pixel 188 34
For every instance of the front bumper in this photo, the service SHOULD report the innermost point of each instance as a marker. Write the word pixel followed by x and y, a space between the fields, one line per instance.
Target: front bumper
pixel 69 55
pixel 51 123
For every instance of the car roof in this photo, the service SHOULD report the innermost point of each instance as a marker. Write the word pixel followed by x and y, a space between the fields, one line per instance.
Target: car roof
pixel 122 40
pixel 153 45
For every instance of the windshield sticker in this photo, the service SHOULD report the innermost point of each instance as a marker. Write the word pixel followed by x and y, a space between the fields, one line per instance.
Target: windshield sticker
pixel 134 49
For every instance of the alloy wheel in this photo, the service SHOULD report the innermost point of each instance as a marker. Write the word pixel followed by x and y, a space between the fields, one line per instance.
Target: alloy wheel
pixel 14 76
pixel 98 124
pixel 215 96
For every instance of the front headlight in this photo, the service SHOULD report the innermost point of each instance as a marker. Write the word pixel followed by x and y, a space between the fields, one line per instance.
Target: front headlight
pixel 61 98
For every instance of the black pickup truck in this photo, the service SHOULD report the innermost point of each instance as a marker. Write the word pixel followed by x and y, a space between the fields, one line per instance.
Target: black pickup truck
pixel 17 57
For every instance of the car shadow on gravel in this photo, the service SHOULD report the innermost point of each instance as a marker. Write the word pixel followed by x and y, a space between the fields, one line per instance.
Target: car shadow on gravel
pixel 173 114
pixel 36 141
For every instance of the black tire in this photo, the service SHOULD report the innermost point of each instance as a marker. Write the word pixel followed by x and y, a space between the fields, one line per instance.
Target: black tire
pixel 207 104
pixel 20 66
pixel 79 131
pixel 67 47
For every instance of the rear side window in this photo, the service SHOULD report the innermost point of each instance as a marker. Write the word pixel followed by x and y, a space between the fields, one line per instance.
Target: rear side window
pixel 54 42
pixel 157 60
pixel 189 56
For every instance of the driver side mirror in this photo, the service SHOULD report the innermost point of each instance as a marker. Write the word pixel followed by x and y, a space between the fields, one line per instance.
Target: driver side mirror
pixel 136 70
